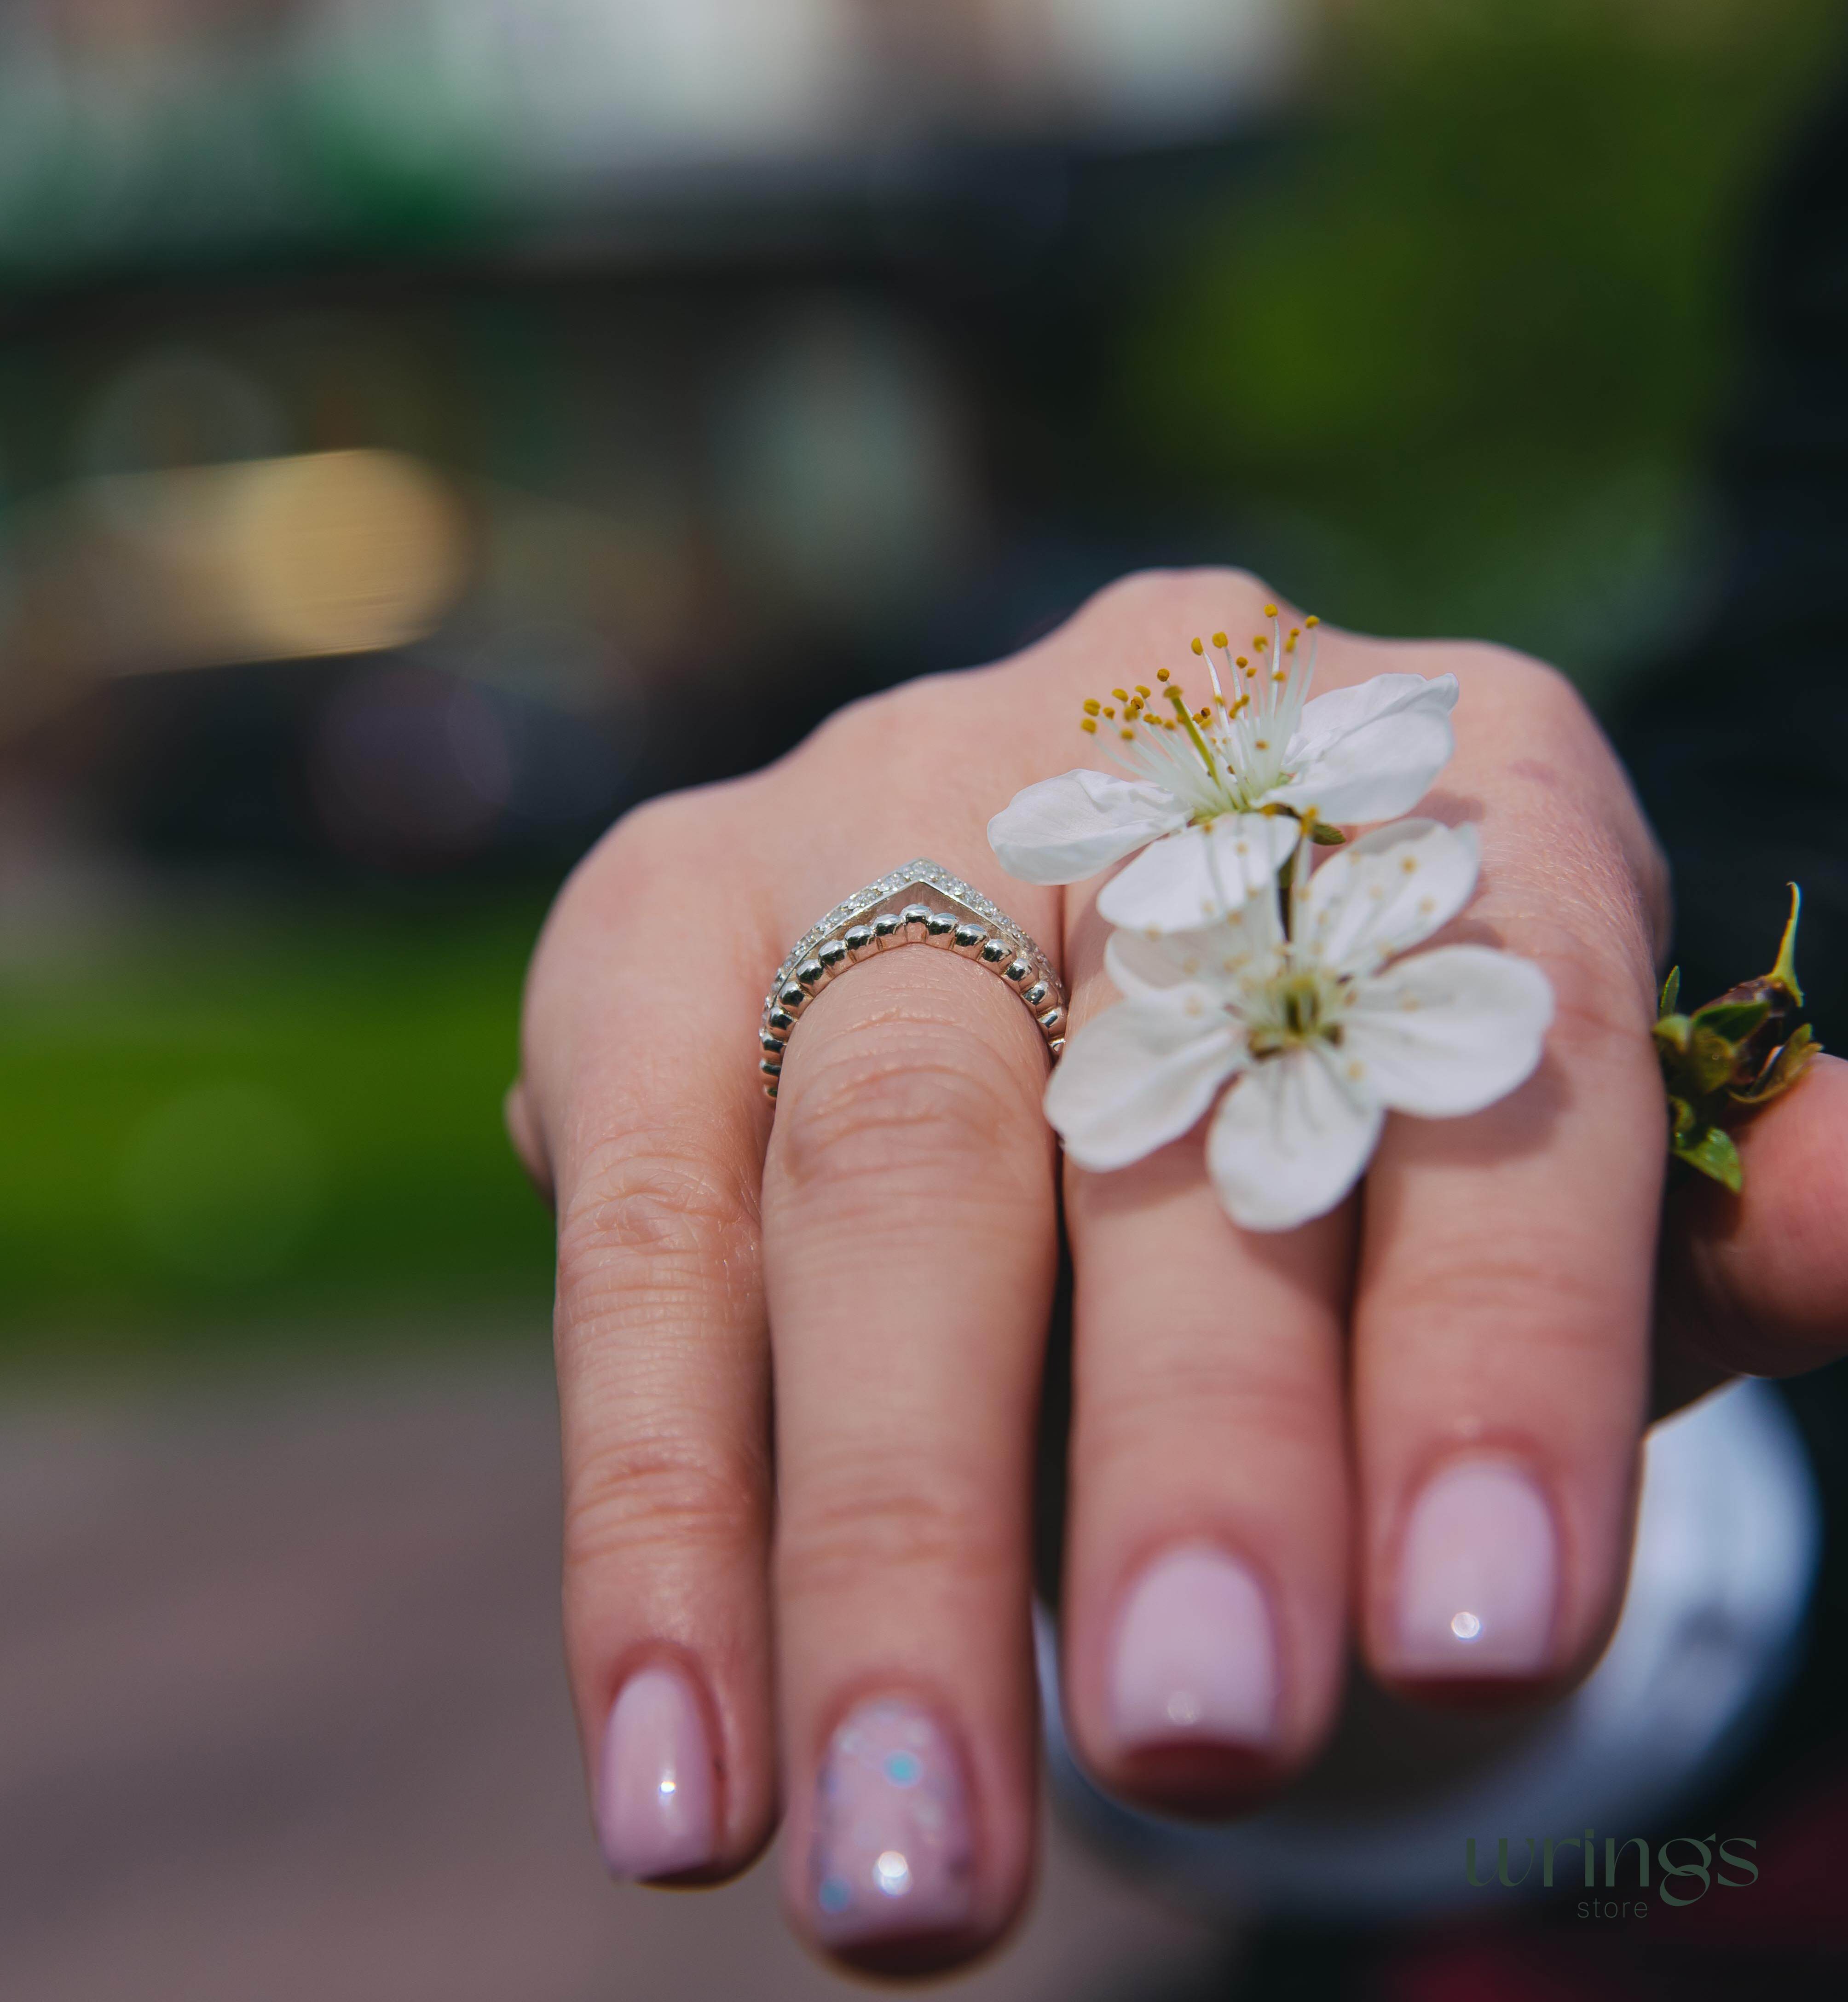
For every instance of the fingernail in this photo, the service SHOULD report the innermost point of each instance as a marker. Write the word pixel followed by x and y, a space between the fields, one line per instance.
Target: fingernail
pixel 1478 1575
pixel 892 1851
pixel 1196 1656
pixel 654 1795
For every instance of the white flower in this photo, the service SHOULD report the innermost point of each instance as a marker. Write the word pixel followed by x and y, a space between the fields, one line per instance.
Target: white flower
pixel 1355 754
pixel 1319 1035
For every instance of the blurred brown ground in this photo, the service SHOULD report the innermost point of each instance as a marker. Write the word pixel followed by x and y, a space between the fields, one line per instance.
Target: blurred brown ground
pixel 283 1719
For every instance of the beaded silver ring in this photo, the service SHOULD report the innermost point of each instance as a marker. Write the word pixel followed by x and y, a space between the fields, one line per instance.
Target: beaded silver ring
pixel 921 904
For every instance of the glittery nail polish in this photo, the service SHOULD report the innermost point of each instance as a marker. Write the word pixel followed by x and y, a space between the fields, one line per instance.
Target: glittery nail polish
pixel 891 1853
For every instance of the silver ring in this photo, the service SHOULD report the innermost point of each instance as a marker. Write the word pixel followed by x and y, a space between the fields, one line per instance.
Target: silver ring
pixel 918 905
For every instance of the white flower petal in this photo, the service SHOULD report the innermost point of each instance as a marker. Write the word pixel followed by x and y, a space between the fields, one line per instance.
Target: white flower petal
pixel 1199 875
pixel 1222 958
pixel 1388 891
pixel 1140 1074
pixel 1064 829
pixel 1368 752
pixel 1448 1031
pixel 1289 1140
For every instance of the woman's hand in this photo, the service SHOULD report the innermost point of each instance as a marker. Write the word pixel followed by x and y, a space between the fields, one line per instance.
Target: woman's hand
pixel 1422 1408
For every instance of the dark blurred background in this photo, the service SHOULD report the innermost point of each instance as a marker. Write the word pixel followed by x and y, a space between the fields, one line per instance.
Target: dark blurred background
pixel 426 429
pixel 428 426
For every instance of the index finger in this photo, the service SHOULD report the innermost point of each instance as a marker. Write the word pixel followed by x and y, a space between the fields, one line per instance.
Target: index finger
pixel 639 1095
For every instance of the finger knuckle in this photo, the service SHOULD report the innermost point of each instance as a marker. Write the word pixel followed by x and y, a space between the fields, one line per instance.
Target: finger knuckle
pixel 658 841
pixel 1556 710
pixel 1136 591
pixel 1140 595
pixel 650 1229
pixel 1202 1395
pixel 1536 1291
pixel 672 1491
pixel 1551 712
pixel 623 907
pixel 855 1520
pixel 880 734
pixel 661 824
pixel 893 1100
pixel 1585 852
pixel 1571 900
pixel 1596 1011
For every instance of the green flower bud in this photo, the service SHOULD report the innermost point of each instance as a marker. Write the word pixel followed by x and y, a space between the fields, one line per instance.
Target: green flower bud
pixel 1738 1052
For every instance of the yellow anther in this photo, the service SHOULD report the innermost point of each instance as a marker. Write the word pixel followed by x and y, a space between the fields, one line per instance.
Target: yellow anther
pixel 1128 736
pixel 1161 674
pixel 1206 714
pixel 1280 674
pixel 1122 695
pixel 1198 648
pixel 1219 639
pixel 1270 611
pixel 1145 693
pixel 1259 643
pixel 1088 723
pixel 1242 661
pixel 1312 620
pixel 1109 711
pixel 1091 706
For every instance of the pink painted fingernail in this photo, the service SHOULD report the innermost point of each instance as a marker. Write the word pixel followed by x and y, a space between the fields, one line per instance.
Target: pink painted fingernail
pixel 892 1850
pixel 1478 1575
pixel 1196 1654
pixel 654 1794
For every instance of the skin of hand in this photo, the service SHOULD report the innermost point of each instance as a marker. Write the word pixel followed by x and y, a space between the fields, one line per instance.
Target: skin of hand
pixel 1279 1443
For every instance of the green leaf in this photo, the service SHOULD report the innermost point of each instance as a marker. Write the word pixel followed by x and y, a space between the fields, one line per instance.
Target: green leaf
pixel 1784 1066
pixel 1710 1059
pixel 1710 1150
pixel 1671 991
pixel 1784 973
pixel 1325 836
pixel 1681 1120
pixel 1735 1021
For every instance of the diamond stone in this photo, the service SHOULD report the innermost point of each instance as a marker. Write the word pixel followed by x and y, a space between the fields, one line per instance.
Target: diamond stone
pixel 897 889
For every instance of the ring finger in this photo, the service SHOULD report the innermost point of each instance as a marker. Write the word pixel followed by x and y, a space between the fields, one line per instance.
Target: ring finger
pixel 1206 1570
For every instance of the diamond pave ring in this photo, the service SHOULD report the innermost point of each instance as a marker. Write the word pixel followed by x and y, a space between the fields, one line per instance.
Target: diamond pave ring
pixel 918 905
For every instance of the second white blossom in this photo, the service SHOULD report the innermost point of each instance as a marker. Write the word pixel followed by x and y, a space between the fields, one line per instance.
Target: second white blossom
pixel 1317 1025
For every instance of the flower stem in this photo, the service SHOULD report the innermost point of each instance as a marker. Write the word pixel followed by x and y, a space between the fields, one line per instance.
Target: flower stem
pixel 1298 903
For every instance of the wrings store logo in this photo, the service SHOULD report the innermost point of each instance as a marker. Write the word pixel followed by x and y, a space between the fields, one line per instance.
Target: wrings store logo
pixel 1685 1867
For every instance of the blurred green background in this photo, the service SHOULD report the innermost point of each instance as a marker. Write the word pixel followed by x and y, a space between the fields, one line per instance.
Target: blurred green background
pixel 279 1123
pixel 1463 348
pixel 1433 316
